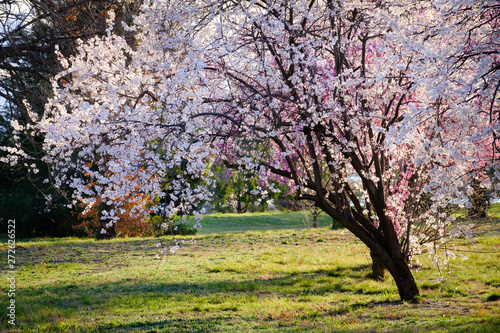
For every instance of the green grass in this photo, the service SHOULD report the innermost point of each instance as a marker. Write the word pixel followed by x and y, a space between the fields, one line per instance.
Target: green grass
pixel 494 210
pixel 274 278
pixel 238 223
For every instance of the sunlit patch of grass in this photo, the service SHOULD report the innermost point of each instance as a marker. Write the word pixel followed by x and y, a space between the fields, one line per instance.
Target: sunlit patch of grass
pixel 256 222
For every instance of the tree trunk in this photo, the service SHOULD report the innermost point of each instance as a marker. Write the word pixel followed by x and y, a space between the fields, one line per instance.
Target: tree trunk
pixel 378 267
pixel 110 231
pixel 240 208
pixel 335 224
pixel 384 246
pixel 56 225
pixel 479 200
pixel 315 220
pixel 407 287
pixel 401 272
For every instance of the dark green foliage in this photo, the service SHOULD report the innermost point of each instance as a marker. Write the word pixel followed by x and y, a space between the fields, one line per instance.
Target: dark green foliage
pixel 171 228
pixel 21 201
pixel 235 191
pixel 182 229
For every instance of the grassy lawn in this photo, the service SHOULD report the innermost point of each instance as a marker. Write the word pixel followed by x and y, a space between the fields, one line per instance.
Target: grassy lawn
pixel 251 273
pixel 270 221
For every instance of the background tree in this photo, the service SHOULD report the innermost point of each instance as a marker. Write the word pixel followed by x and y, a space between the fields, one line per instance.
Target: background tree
pixel 239 191
pixel 29 33
pixel 477 25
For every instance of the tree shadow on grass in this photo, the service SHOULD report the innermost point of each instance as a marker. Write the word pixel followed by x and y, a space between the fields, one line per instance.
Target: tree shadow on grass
pixel 36 305
pixel 212 324
pixel 235 324
pixel 208 306
pixel 137 286
pixel 88 252
pixel 197 307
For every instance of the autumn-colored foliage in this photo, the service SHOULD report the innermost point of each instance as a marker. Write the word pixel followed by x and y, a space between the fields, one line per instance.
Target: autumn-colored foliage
pixel 129 225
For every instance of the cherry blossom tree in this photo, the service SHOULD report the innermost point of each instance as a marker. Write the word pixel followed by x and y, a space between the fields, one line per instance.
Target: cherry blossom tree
pixel 339 94
pixel 29 32
pixel 360 106
pixel 462 50
pixel 477 24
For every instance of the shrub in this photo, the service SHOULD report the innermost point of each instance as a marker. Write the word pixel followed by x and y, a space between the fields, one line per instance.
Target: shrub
pixel 164 227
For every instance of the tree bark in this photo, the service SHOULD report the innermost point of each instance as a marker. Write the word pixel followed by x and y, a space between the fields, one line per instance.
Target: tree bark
pixel 378 267
pixel 401 272
pixel 479 200
pixel 110 231
pixel 315 218
pixel 385 251
pixel 407 287
pixel 240 208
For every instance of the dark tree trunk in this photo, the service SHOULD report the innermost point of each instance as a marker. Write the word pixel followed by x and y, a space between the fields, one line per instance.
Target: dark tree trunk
pixel 400 271
pixel 336 224
pixel 378 267
pixel 240 208
pixel 110 231
pixel 385 250
pixel 479 200
pixel 56 225
pixel 315 213
pixel 407 287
